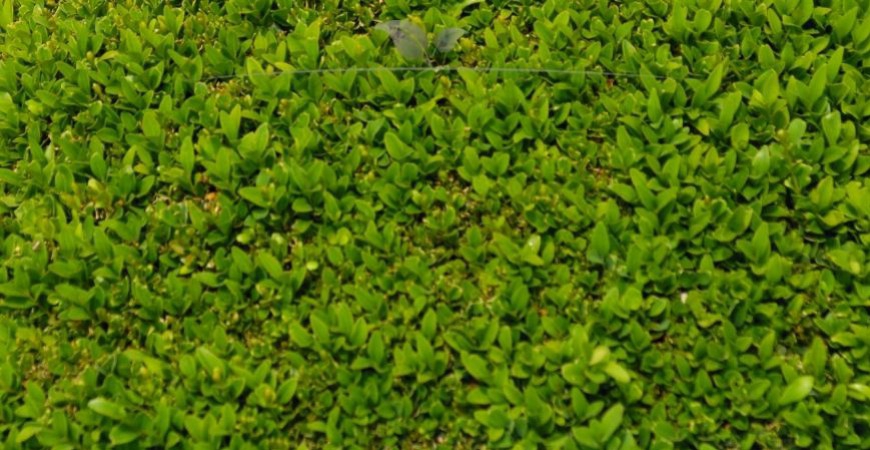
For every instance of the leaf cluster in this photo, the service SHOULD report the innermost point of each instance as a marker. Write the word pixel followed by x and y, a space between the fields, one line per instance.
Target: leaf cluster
pixel 201 249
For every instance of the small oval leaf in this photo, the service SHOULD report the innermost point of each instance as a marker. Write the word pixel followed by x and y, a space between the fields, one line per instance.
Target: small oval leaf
pixel 107 408
pixel 797 390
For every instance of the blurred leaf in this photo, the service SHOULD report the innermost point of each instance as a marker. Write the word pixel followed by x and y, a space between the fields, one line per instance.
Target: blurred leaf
pixel 797 390
pixel 107 408
pixel 447 39
pixel 410 40
pixel 7 13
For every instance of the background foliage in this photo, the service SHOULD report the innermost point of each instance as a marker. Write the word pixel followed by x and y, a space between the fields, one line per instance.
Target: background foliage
pixel 200 252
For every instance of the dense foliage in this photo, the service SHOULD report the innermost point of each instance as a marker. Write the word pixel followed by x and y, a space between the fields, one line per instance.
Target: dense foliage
pixel 666 249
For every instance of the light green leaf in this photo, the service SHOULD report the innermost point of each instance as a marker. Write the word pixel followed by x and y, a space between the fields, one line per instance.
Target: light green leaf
pixel 107 408
pixel 186 156
pixel 287 390
pixel 617 372
pixel 831 125
pixel 230 123
pixel 150 125
pixel 654 107
pixel 475 366
pixel 208 360
pixel 797 390
pixel 121 434
pixel 270 264
pixel 27 432
pixel 7 14
pixel 640 183
pixel 816 88
pixel 599 244
pixel 300 336
pixel 610 422
pixel 709 88
pixel 481 184
pixel 761 243
pixel 254 195
pixel 396 148
pixel 761 163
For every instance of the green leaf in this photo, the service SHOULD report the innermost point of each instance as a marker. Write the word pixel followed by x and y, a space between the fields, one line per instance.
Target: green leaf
pixel 375 348
pixel 301 205
pixel 344 318
pixel 7 14
pixel 802 13
pixel 846 259
pixel 270 264
pixel 797 390
pixel 599 244
pixel 321 330
pixel 709 88
pixel 796 130
pixel 761 243
pixel 242 260
pixel 396 148
pixel 823 194
pixel 610 422
pixel 654 107
pixel 254 70
pixel 208 360
pixel 150 125
pixel 834 63
pixel 98 166
pixel 640 184
pixel 9 177
pixel 740 136
pixel 761 163
pixel 122 434
pixel 535 406
pixel 831 125
pixel 816 357
pixel 497 419
pixel 300 336
pixel 26 433
pixel 519 296
pixel 844 24
pixel 254 195
pixel 230 123
pixel 107 408
pixel 574 373
pixel 429 324
pixel 187 157
pixel 475 366
pixel 816 88
pixel 585 436
pixel 730 104
pixel 617 372
pixel 253 145
pixel 481 184
pixel 287 390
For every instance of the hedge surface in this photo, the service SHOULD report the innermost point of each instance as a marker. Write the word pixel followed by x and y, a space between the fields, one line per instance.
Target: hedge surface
pixel 666 249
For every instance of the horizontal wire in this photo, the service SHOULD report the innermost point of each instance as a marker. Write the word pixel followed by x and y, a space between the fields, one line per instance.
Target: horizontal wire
pixel 451 69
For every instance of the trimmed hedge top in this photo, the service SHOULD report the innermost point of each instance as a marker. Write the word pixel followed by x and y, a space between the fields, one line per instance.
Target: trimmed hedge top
pixel 203 249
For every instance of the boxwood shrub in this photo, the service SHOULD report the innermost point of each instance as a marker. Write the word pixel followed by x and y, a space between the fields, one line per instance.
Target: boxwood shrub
pixel 578 224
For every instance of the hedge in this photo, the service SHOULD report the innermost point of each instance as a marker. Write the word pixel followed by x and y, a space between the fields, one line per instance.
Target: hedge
pixel 572 224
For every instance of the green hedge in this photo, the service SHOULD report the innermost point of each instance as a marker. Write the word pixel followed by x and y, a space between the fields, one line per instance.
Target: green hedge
pixel 666 249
